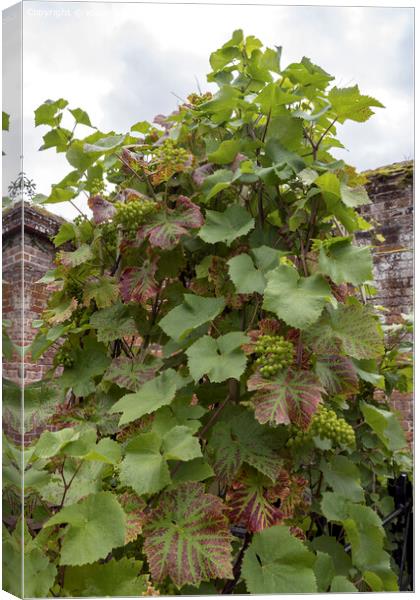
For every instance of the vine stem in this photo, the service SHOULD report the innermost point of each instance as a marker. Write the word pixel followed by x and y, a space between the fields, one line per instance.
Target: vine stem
pixel 231 583
pixel 142 178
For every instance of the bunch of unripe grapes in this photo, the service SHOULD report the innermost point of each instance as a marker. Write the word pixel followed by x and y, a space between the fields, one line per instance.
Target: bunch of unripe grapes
pixel 326 424
pixel 274 354
pixel 63 357
pixel 131 215
pixel 97 186
pixel 170 154
pixel 109 234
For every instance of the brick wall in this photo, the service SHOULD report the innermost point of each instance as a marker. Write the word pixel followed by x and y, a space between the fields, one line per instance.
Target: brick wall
pixel 27 254
pixel 391 191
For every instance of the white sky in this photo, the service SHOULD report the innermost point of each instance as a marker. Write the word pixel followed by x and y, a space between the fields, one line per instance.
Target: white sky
pixel 123 63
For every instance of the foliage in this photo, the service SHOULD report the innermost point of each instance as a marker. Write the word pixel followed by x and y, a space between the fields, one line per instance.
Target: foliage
pixel 217 358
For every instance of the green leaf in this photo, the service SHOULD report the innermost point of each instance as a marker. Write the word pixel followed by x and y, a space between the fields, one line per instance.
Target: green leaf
pixel 366 535
pixel 113 323
pixel 350 327
pixel 113 578
pixel 39 574
pixel 343 476
pixel 215 183
pixel 102 289
pixel 46 114
pixel 324 571
pixel 334 506
pixel 78 157
pixel 225 153
pixel 290 397
pixel 298 301
pixel 329 184
pixel 5 121
pixel 220 358
pixel 226 226
pixel 272 99
pixel 345 263
pixel 193 470
pixel 349 103
pixel 278 563
pixel 60 195
pixel 342 584
pixel 81 116
pixel 95 526
pixel 131 373
pixel 246 278
pixel 153 394
pixel 187 537
pixel 76 257
pixel 89 362
pixel 58 138
pixel 386 426
pixel 52 442
pixel 144 467
pixel 193 312
pixel 280 156
pixel 340 558
pixel 241 439
pixel 354 196
pixel 105 144
pixel 66 233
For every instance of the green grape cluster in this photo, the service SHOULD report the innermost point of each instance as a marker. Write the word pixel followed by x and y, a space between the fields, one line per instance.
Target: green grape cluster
pixel 63 357
pixel 131 215
pixel 274 353
pixel 97 186
pixel 326 424
pixel 170 154
pixel 198 99
pixel 109 234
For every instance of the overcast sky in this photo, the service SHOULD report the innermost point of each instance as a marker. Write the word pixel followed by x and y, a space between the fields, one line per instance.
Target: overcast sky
pixel 126 62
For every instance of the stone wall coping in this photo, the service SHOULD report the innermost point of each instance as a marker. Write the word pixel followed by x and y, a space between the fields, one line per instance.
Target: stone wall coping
pixel 37 220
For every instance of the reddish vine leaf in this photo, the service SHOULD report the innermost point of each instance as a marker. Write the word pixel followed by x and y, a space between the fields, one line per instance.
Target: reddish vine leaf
pixel 138 284
pixel 337 374
pixel 291 397
pixel 239 440
pixel 133 507
pixel 130 373
pixel 293 492
pixel 167 227
pixel 250 506
pixel 187 537
pixel 102 209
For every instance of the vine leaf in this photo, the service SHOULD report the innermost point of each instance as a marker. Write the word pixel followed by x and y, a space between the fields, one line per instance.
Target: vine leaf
pixel 245 276
pixel 343 476
pixel 113 578
pixel 345 263
pixel 104 290
pixel 349 103
pixel 278 563
pixel 145 468
pixel 291 397
pixel 113 323
pixel 226 226
pixel 138 284
pixel 337 374
pixel 249 505
pixel 350 327
pixel 153 394
pixel 89 362
pixel 94 526
pixel 61 312
pixel 167 227
pixel 298 301
pixel 220 358
pixel 193 312
pixel 386 426
pixel 187 537
pixel 241 439
pixel 102 210
pixel 134 507
pixel 130 373
pixel 75 257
